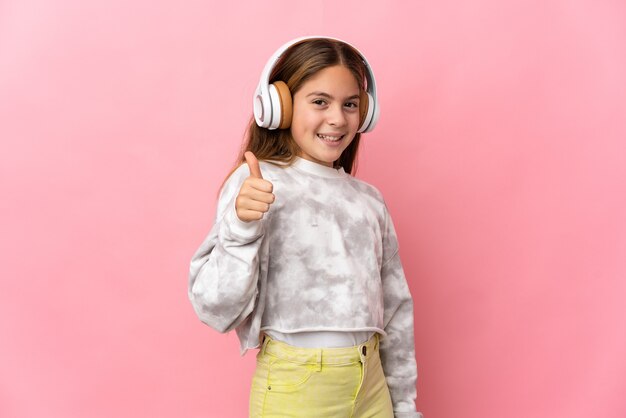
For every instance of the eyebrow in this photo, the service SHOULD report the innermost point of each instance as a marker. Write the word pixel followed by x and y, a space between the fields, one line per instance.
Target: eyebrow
pixel 321 93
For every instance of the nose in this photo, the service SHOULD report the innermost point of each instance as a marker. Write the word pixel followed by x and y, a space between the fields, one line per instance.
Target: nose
pixel 335 116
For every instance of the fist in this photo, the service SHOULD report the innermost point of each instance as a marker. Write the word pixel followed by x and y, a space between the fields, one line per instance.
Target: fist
pixel 255 195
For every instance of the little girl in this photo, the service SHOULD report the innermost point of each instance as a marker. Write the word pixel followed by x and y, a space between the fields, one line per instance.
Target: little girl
pixel 302 260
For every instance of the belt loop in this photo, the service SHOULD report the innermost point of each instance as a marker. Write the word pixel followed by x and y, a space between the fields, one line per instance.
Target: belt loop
pixel 266 340
pixel 318 365
pixel 362 351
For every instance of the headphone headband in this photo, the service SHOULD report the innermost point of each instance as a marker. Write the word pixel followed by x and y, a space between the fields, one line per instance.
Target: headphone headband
pixel 263 113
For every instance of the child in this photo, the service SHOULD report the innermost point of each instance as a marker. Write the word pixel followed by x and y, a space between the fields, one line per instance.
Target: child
pixel 302 260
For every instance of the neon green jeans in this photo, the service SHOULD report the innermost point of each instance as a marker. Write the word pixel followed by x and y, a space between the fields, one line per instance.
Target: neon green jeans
pixel 327 382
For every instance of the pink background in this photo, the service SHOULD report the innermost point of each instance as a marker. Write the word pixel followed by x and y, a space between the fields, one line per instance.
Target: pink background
pixel 500 151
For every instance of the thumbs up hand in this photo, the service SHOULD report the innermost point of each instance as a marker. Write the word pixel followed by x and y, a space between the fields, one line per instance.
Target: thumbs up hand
pixel 255 195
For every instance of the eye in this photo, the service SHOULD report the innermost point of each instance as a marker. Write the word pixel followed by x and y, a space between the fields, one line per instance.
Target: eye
pixel 352 104
pixel 319 102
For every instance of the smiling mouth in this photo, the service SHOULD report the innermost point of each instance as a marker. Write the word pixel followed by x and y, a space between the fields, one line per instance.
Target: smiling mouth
pixel 330 138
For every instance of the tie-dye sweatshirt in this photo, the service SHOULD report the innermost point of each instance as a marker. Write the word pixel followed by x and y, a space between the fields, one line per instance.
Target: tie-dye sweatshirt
pixel 323 258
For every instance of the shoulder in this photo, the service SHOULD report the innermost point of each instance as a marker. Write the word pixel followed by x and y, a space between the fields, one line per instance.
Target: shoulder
pixel 234 180
pixel 271 169
pixel 367 189
pixel 237 177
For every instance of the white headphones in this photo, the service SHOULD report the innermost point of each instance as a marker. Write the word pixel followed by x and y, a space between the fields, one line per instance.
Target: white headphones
pixel 273 102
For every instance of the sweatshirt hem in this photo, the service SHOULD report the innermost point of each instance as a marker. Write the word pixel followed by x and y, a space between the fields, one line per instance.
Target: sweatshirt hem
pixel 313 329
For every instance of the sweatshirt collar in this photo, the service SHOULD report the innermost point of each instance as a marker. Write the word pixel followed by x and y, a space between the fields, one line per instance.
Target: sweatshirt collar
pixel 318 169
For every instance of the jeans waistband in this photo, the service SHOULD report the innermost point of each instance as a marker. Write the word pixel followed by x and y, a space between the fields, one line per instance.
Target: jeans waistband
pixel 341 355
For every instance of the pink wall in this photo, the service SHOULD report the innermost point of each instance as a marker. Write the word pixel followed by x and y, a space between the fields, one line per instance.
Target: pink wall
pixel 502 121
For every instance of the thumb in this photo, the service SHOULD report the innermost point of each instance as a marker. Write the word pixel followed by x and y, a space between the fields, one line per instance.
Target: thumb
pixel 253 164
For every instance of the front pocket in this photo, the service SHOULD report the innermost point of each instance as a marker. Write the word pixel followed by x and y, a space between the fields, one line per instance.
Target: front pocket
pixel 287 376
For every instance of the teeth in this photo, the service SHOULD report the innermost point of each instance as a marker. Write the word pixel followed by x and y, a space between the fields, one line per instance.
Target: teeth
pixel 330 138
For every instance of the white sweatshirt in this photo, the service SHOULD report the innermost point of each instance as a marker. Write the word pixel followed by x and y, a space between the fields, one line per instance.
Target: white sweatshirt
pixel 323 258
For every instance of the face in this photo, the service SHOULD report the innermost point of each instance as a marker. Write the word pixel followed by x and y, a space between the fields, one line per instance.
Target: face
pixel 326 114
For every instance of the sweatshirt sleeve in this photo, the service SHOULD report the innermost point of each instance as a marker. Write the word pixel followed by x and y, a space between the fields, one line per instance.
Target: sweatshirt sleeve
pixel 224 271
pixel 397 349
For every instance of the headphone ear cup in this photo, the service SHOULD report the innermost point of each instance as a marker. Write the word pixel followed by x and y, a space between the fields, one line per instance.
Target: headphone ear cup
pixel 363 106
pixel 366 112
pixel 286 104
